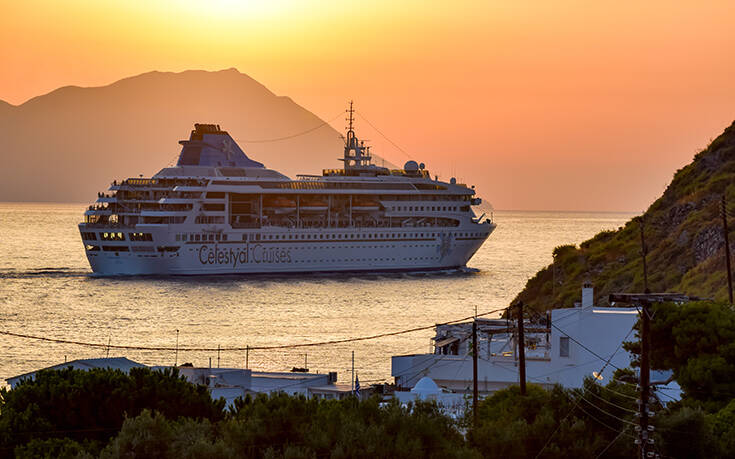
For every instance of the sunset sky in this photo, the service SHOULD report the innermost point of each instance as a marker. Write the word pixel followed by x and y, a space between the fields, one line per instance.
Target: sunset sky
pixel 543 105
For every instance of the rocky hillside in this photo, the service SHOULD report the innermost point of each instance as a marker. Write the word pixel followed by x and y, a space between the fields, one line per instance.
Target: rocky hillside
pixel 684 235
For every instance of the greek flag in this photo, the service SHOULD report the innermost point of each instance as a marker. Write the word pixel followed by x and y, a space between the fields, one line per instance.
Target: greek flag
pixel 357 386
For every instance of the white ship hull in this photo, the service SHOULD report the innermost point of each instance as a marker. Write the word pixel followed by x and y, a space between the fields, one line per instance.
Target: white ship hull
pixel 380 251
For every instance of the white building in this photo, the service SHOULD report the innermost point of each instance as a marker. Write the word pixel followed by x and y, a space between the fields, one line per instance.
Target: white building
pixel 563 348
pixel 116 363
pixel 452 404
pixel 227 383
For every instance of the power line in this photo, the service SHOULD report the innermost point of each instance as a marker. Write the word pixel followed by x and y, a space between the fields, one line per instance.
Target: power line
pixel 383 135
pixel 618 393
pixel 609 402
pixel 582 345
pixel 612 442
pixel 277 139
pixel 599 421
pixel 607 412
pixel 239 349
pixel 576 401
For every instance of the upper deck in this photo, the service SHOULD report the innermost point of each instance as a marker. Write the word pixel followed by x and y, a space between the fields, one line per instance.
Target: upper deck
pixel 214 182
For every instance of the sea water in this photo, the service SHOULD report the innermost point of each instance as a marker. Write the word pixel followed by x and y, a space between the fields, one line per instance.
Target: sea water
pixel 47 289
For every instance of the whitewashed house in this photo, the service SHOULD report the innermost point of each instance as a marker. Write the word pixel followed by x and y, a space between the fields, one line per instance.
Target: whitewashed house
pixel 563 348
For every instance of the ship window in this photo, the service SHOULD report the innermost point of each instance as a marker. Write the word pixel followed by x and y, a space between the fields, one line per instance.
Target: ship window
pixel 108 248
pixel 92 248
pixel 113 237
pixel 244 237
pixel 563 346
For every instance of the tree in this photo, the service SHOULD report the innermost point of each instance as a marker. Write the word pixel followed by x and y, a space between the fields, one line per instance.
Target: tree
pixel 697 341
pixel 90 406
pixel 281 426
pixel 150 434
pixel 557 423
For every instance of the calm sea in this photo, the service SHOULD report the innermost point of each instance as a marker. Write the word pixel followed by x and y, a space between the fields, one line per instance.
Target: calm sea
pixel 46 289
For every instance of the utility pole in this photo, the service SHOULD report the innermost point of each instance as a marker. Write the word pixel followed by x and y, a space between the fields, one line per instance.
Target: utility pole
pixel 644 252
pixel 521 349
pixel 474 371
pixel 353 372
pixel 247 356
pixel 727 247
pixel 176 355
pixel 645 378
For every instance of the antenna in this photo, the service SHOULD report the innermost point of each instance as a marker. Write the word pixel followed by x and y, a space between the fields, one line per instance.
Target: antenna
pixel 351 117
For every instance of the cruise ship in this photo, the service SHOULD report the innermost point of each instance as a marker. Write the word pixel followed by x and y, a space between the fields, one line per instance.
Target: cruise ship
pixel 219 212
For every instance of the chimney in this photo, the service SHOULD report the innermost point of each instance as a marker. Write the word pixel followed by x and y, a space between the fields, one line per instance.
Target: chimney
pixel 588 296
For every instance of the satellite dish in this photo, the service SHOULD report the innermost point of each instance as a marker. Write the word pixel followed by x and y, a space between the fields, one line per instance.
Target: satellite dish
pixel 411 166
pixel 422 166
pixel 453 181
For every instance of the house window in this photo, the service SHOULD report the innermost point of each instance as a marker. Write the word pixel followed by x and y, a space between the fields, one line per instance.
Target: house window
pixel 563 346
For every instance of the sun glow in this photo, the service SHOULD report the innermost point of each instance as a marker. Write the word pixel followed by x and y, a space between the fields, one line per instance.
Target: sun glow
pixel 231 10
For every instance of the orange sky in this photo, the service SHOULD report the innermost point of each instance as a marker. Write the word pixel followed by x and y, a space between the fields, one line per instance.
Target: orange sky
pixel 541 104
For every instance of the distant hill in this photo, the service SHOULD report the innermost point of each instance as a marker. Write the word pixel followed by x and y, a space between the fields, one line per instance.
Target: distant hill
pixel 71 143
pixel 683 233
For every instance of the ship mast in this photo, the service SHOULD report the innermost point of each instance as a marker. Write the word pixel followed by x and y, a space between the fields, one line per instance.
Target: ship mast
pixel 356 155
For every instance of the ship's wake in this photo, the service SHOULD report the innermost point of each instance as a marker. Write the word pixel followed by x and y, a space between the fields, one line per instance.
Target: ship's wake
pixel 55 272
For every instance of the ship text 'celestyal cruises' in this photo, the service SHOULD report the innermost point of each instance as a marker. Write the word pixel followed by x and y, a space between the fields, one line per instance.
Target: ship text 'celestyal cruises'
pixel 219 212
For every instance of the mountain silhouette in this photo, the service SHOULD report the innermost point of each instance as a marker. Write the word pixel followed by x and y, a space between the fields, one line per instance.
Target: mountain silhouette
pixel 67 145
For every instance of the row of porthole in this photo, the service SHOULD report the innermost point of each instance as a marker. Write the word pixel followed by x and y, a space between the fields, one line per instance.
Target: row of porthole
pixel 203 237
pixel 292 237
pixel 347 260
pixel 392 246
pixel 296 237
pixel 425 208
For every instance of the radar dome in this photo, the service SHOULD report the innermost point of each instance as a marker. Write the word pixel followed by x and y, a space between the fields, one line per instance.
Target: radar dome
pixel 411 166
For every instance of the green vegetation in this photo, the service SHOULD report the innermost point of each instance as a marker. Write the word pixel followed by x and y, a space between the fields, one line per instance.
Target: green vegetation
pixel 294 427
pixel 556 423
pixel 105 413
pixel 89 407
pixel 683 233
